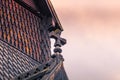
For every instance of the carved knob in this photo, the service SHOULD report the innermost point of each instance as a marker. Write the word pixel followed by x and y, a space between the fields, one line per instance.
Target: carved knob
pixel 58 50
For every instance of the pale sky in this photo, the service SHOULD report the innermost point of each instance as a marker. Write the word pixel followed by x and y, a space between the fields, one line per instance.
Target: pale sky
pixel 92 29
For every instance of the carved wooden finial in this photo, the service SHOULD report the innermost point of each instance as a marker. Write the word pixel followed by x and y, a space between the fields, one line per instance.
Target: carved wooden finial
pixel 58 40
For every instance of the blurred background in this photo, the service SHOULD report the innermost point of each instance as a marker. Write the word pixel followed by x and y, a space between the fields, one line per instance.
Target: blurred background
pixel 92 30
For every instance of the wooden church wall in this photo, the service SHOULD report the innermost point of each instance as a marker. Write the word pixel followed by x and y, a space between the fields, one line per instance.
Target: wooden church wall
pixel 24 31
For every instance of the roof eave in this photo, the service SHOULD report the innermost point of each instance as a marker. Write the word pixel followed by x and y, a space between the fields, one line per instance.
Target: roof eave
pixel 54 15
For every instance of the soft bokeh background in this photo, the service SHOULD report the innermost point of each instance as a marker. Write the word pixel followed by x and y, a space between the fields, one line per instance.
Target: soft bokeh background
pixel 92 29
